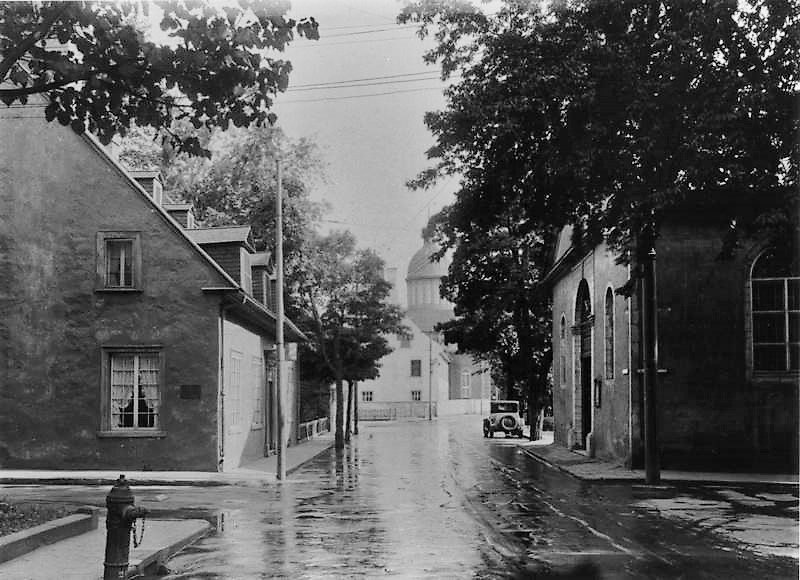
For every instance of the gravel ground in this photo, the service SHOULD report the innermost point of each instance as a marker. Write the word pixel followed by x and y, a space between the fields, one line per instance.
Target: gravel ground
pixel 16 516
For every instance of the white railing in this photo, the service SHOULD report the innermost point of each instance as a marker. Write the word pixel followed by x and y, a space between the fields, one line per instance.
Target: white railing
pixel 311 429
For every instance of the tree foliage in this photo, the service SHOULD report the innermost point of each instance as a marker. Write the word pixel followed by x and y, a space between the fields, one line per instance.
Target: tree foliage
pixel 238 184
pixel 102 70
pixel 605 113
pixel 341 296
pixel 608 116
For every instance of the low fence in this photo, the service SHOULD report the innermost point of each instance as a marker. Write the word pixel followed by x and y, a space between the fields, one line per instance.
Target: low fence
pixel 311 429
pixel 392 411
pixel 377 414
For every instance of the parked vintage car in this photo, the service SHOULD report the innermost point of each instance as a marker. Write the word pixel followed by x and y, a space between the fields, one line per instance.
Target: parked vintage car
pixel 503 416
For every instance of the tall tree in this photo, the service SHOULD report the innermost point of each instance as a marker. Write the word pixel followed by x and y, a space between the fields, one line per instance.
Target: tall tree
pixel 102 69
pixel 608 116
pixel 341 294
pixel 502 314
pixel 606 113
pixel 237 185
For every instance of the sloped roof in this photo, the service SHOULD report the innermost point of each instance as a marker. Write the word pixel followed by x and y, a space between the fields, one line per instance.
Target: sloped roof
pixel 253 310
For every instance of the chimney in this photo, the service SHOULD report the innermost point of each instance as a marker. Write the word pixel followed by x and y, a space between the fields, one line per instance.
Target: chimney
pixel 390 275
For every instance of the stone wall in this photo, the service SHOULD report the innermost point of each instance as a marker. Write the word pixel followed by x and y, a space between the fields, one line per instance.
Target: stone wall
pixel 56 193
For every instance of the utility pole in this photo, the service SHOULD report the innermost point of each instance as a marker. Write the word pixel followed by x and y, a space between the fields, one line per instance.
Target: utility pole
pixel 430 377
pixel 650 357
pixel 281 473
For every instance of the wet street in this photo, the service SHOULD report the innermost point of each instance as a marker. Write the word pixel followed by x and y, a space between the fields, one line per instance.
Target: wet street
pixel 437 500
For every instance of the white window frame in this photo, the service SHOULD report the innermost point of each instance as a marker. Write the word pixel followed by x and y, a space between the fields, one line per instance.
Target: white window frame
pixel 366 396
pixel 466 384
pixel 105 240
pixel 109 426
pixel 416 367
pixel 416 395
pixel 259 390
pixel 786 311
pixel 234 399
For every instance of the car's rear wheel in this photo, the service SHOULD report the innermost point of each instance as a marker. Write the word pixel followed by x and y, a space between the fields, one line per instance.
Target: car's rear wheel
pixel 508 423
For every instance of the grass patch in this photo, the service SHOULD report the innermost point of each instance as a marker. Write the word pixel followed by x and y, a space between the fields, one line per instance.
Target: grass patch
pixel 17 516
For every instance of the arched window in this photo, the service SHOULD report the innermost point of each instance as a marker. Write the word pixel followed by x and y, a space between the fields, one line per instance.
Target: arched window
pixel 775 302
pixel 562 349
pixel 609 334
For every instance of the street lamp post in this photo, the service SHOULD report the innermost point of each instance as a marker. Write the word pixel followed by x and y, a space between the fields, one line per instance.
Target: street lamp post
pixel 430 377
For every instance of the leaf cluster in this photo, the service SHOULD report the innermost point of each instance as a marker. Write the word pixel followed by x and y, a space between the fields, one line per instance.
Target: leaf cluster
pixel 211 65
pixel 341 298
pixel 604 113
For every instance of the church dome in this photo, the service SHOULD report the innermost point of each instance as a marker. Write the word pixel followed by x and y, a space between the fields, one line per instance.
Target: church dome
pixel 426 307
pixel 421 266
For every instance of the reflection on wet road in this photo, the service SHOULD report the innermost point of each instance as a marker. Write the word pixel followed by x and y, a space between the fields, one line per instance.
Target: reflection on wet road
pixel 436 500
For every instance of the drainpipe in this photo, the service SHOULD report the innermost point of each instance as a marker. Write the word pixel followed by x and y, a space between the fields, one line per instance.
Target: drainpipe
pixel 650 351
pixel 221 391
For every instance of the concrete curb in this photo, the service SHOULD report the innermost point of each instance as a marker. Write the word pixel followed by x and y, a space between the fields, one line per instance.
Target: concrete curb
pixel 150 563
pixel 19 543
pixel 310 459
pixel 111 480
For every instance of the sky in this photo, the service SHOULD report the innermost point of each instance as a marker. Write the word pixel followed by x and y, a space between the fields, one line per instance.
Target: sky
pixel 372 137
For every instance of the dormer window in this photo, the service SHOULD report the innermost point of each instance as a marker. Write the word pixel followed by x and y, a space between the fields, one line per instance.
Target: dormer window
pixel 119 261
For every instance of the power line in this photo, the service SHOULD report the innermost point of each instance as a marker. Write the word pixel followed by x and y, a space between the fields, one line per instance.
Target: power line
pixel 322 44
pixel 343 97
pixel 398 27
pixel 402 75
pixel 356 85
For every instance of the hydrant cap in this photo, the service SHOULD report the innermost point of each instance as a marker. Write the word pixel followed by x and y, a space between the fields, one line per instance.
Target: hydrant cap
pixel 120 493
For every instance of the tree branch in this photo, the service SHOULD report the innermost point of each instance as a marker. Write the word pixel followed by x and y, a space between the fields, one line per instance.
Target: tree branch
pixel 36 89
pixel 23 47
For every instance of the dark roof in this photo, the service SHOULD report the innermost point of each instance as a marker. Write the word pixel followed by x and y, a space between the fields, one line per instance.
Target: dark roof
pixel 222 235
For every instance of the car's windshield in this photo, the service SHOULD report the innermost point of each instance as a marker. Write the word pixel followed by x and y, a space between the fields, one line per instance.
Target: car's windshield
pixel 504 407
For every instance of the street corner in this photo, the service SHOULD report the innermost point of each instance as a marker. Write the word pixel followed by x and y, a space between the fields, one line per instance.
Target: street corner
pixel 761 519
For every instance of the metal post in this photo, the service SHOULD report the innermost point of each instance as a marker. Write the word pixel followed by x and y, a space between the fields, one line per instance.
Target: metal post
pixel 355 408
pixel 279 341
pixel 650 353
pixel 430 377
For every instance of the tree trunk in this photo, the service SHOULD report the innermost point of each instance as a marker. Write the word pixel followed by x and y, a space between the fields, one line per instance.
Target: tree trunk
pixel 339 436
pixel 355 408
pixel 349 410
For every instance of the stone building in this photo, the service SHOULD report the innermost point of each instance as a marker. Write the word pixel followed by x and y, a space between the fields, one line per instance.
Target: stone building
pixel 127 341
pixel 728 353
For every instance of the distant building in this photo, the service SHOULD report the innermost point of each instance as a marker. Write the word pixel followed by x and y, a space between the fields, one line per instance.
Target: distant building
pixel 423 375
pixel 127 339
pixel 728 353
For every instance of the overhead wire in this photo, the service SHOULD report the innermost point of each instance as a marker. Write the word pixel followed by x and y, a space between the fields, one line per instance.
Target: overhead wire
pixel 344 97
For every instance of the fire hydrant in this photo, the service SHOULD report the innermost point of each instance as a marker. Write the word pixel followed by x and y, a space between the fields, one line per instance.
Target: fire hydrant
pixel 122 513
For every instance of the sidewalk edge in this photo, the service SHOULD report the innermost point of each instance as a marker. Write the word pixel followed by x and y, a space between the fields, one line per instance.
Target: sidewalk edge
pixel 314 456
pixel 25 541
pixel 161 556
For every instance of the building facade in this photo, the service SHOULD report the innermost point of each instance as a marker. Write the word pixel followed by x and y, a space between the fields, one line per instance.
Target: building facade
pixel 123 342
pixel 728 353
pixel 423 376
